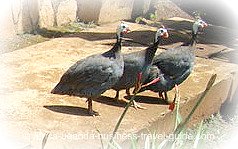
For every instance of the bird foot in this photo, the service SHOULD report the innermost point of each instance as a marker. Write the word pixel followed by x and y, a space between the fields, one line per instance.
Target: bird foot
pixel 161 95
pixel 137 106
pixel 90 108
pixel 122 100
pixel 93 113
pixel 172 106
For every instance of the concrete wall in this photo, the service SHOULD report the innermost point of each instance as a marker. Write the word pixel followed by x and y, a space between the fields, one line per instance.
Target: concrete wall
pixel 115 10
pixel 27 15
pixel 141 7
pixel 104 11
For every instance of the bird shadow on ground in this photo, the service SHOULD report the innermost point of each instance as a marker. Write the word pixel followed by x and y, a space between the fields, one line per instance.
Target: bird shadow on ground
pixel 72 110
pixel 110 101
pixel 147 99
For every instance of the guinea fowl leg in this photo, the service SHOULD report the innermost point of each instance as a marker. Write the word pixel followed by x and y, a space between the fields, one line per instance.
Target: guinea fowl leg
pixel 128 92
pixel 166 97
pixel 117 96
pixel 161 95
pixel 90 108
pixel 172 105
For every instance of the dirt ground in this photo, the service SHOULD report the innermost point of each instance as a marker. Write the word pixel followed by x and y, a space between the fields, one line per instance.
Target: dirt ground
pixel 28 110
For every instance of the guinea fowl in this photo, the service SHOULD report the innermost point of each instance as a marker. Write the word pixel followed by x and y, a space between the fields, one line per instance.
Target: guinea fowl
pixel 137 62
pixel 92 76
pixel 173 66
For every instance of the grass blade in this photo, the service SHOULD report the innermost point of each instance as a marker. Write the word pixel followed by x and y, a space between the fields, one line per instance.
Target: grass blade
pixel 209 85
pixel 198 136
pixel 127 106
pixel 100 138
pixel 147 142
pixel 44 140
pixel 134 143
pixel 178 118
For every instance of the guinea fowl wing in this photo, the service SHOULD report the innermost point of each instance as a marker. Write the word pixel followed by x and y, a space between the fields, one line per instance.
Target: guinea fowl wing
pixel 88 78
pixel 133 63
pixel 174 62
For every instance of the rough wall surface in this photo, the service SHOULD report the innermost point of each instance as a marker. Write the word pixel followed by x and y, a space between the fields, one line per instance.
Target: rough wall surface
pixel 88 10
pixel 113 10
pixel 167 9
pixel 27 15
pixel 141 7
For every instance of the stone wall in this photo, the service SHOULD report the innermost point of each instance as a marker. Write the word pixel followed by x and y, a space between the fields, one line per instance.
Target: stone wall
pixel 27 15
pixel 112 10
pixel 141 7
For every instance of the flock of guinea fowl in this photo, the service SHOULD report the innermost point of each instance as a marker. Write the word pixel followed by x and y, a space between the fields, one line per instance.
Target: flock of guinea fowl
pixel 93 75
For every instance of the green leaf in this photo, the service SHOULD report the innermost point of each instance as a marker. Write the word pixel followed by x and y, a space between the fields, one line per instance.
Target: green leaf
pixel 44 140
pixel 198 136
pixel 147 142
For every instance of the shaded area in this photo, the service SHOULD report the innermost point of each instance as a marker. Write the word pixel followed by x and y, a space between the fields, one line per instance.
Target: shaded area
pixel 227 56
pixel 148 99
pixel 30 16
pixel 228 109
pixel 88 11
pixel 213 11
pixel 72 110
pixel 110 101
pixel 212 34
pixel 179 31
pixel 139 98
pixel 139 38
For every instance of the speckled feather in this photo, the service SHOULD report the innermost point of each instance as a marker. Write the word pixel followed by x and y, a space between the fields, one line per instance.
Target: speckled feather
pixel 175 62
pixel 172 67
pixel 134 64
pixel 93 75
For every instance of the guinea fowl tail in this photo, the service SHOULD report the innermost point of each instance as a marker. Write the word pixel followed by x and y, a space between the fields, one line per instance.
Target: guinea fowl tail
pixel 61 89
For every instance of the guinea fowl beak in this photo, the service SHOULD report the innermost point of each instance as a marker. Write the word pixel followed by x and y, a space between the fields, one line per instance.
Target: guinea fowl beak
pixel 127 30
pixel 165 35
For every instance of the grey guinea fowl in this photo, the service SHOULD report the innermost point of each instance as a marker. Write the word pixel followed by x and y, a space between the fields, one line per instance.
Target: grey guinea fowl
pixel 173 66
pixel 137 62
pixel 92 76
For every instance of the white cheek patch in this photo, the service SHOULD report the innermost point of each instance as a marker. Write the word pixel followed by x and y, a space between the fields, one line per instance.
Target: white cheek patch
pixel 122 28
pixel 198 24
pixel 195 28
pixel 160 32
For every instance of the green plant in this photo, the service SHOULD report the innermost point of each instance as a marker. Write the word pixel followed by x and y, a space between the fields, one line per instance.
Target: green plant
pixel 153 16
pixel 179 124
pixel 44 140
pixel 138 19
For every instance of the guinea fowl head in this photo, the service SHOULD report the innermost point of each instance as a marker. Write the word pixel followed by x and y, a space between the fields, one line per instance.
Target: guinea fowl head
pixel 199 25
pixel 161 33
pixel 122 29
